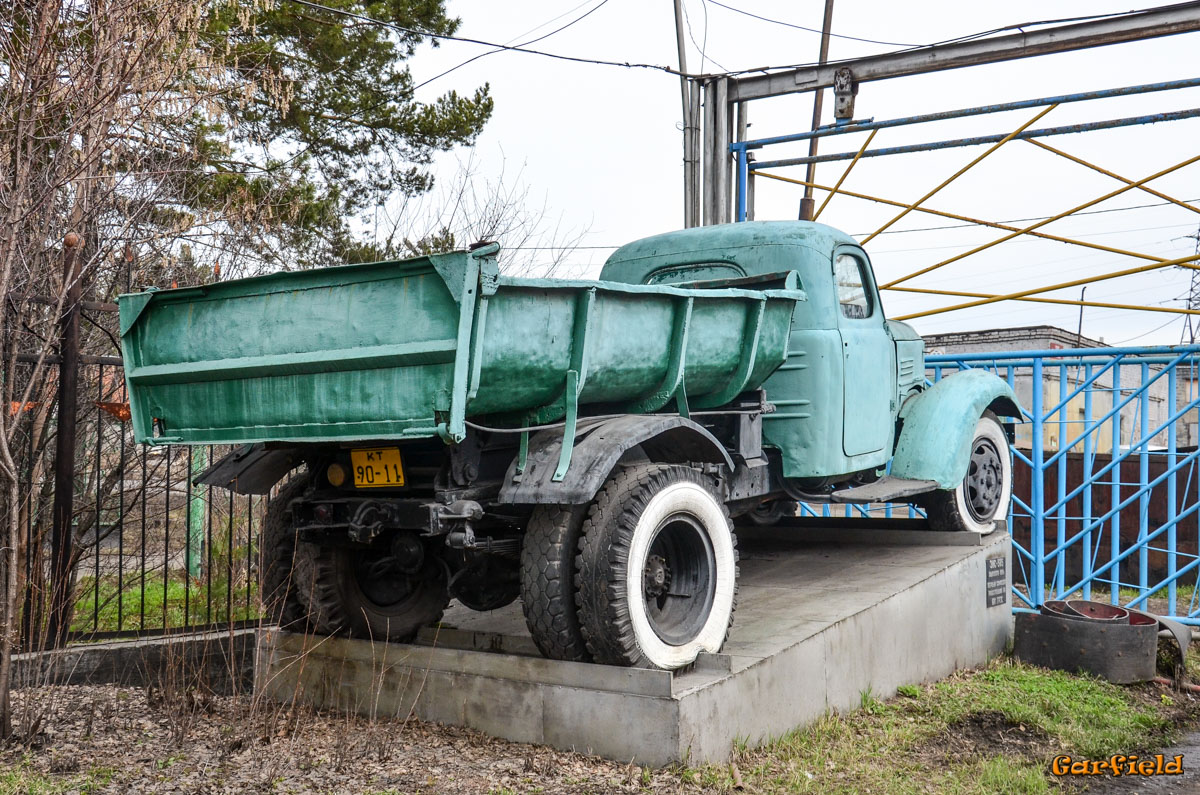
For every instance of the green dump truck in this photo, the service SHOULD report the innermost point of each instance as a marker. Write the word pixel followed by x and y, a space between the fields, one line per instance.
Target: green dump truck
pixel 450 432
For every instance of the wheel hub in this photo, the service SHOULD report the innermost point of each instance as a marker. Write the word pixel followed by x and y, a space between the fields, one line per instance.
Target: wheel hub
pixel 984 483
pixel 679 579
pixel 656 577
pixel 382 579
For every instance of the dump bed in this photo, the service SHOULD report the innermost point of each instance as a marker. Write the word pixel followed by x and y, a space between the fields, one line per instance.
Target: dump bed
pixel 413 348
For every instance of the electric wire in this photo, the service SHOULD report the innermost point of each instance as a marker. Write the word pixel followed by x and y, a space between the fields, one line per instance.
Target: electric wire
pixel 701 47
pixel 918 229
pixel 968 37
pixel 1147 333
pixel 668 70
pixel 509 48
pixel 579 18
pixel 818 31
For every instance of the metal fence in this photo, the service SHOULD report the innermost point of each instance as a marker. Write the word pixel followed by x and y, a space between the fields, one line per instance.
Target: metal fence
pixel 147 551
pixel 1106 496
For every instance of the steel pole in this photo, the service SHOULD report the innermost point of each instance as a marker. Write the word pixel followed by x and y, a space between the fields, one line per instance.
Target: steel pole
pixel 197 510
pixel 807 205
pixel 689 156
pixel 62 529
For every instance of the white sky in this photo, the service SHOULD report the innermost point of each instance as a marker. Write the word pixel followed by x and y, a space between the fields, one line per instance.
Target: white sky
pixel 600 147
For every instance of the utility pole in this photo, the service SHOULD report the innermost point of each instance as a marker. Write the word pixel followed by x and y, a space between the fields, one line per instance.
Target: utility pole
pixel 1193 300
pixel 691 161
pixel 807 204
pixel 62 529
pixel 1079 333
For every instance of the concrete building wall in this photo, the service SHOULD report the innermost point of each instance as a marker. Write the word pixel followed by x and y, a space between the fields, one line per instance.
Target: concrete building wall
pixel 1061 428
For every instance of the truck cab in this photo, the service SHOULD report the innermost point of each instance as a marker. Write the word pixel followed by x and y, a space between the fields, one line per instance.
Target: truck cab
pixel 848 370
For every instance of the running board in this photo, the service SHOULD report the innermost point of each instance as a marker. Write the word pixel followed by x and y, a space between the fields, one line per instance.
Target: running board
pixel 886 489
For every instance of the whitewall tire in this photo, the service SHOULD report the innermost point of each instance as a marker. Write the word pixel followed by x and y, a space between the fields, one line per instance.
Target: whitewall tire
pixel 657 569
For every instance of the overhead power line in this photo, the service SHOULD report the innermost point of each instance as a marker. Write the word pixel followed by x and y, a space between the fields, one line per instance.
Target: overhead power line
pixel 811 30
pixel 666 69
pixel 579 18
pixel 510 48
pixel 927 228
pixel 1034 218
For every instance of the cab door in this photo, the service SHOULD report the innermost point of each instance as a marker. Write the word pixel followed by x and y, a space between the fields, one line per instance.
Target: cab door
pixel 869 356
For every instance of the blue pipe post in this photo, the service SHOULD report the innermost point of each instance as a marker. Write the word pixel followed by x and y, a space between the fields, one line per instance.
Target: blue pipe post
pixel 1114 522
pixel 1172 509
pixel 1089 458
pixel 978 140
pixel 743 175
pixel 1143 478
pixel 1037 544
pixel 978 110
pixel 1060 566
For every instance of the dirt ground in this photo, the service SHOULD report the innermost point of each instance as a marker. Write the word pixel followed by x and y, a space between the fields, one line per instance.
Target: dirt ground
pixel 125 740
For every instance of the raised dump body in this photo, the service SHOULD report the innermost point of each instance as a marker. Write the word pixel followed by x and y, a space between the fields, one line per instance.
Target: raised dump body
pixel 410 349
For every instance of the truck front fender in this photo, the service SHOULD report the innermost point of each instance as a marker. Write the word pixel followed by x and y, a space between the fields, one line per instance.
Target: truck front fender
pixel 599 445
pixel 938 425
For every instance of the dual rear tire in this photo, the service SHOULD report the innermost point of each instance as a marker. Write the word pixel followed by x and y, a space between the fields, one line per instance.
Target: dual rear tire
pixel 645 576
pixel 364 593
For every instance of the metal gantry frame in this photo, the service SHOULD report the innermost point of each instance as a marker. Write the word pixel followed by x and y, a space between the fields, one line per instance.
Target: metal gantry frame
pixel 709 131
pixel 716 146
pixel 746 168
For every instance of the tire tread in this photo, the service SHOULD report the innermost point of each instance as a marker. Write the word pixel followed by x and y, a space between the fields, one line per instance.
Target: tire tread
pixel 548 579
pixel 604 549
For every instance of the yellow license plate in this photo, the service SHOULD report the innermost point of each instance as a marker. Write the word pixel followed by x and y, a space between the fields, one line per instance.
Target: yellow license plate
pixel 378 467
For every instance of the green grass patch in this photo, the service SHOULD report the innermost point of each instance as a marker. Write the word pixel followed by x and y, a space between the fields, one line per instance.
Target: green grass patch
pixel 183 602
pixel 984 731
pixel 1184 594
pixel 24 780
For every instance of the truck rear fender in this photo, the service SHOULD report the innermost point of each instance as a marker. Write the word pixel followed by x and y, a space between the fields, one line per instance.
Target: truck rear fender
pixel 938 425
pixel 251 468
pixel 599 447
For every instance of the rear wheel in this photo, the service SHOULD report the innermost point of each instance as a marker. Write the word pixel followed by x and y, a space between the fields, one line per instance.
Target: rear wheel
pixel 657 569
pixel 367 593
pixel 281 598
pixel 982 499
pixel 767 514
pixel 548 581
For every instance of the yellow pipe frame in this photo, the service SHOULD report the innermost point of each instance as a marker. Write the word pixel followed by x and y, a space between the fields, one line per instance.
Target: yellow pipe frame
pixel 1043 222
pixel 960 172
pixel 1108 173
pixel 845 174
pixel 969 219
pixel 1181 261
pixel 1065 301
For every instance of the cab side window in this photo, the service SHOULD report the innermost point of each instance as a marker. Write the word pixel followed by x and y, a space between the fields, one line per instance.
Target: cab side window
pixel 852 294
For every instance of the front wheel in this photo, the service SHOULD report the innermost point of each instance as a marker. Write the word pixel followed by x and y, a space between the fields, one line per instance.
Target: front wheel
pixel 982 499
pixel 657 569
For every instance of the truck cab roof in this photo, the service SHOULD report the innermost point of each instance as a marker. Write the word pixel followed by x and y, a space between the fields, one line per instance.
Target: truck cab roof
pixel 727 251
pixel 748 249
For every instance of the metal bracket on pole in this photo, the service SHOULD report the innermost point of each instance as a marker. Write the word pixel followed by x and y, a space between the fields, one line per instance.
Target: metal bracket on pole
pixel 844 92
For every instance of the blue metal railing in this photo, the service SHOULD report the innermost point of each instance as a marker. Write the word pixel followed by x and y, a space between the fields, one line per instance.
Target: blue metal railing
pixel 1106 500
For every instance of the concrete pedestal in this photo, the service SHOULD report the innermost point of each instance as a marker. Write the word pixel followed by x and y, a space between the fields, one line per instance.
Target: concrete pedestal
pixel 822 617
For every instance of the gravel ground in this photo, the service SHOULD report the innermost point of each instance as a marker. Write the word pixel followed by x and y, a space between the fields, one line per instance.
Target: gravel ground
pixel 138 741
